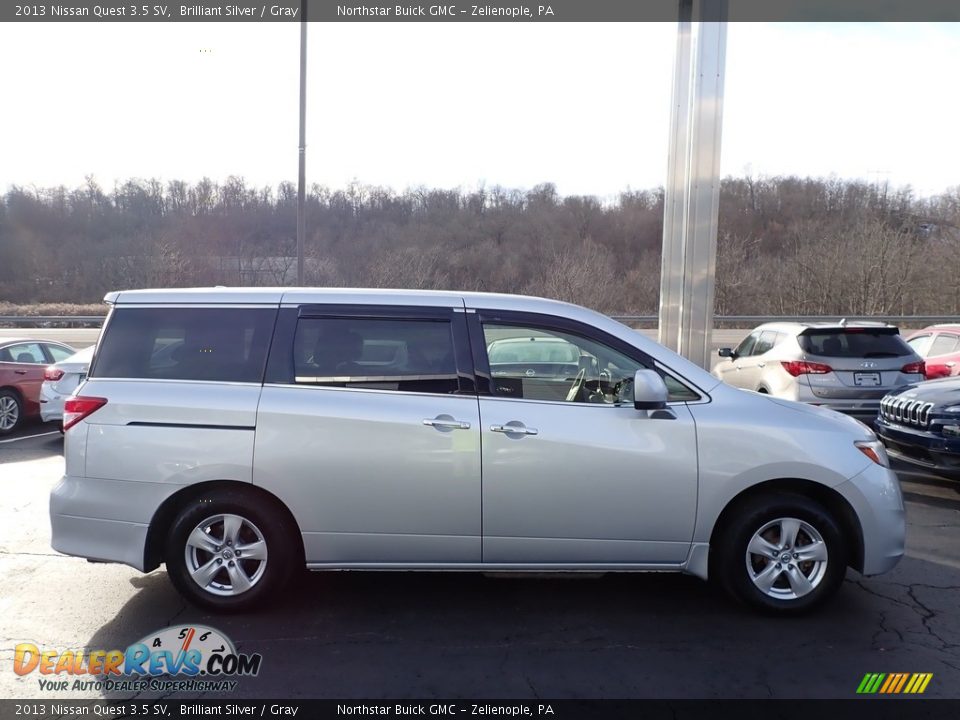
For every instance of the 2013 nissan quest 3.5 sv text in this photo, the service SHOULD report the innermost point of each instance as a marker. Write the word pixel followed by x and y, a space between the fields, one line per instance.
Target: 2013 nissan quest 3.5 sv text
pixel 237 434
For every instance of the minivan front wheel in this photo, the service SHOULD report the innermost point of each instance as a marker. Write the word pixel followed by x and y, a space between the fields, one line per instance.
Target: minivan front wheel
pixel 225 551
pixel 782 553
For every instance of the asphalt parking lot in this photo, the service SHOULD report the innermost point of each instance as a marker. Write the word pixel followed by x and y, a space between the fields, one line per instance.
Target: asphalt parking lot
pixel 412 635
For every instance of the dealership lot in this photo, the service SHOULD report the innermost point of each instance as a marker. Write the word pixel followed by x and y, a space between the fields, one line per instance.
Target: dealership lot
pixel 382 635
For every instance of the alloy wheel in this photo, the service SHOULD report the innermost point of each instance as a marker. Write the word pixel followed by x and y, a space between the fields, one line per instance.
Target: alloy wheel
pixel 787 558
pixel 226 554
pixel 9 412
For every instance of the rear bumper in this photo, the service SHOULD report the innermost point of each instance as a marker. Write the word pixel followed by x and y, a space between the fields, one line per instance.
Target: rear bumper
pixel 101 540
pixel 936 453
pixel 864 409
pixel 104 520
pixel 51 404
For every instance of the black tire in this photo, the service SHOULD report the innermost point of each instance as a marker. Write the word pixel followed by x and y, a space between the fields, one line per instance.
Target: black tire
pixel 11 404
pixel 736 572
pixel 260 521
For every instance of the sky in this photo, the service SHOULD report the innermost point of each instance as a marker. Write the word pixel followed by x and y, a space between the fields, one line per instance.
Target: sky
pixel 585 106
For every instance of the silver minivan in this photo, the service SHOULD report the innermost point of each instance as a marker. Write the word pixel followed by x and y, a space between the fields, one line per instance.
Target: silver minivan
pixel 236 435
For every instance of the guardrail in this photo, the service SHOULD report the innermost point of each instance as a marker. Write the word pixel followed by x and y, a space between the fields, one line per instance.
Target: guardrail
pixel 51 320
pixel 732 321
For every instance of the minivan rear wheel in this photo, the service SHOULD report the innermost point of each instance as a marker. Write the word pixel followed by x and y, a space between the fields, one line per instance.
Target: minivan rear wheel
pixel 228 551
pixel 782 553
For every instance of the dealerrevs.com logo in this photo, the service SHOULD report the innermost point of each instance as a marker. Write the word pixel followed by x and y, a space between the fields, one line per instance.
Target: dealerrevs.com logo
pixel 180 658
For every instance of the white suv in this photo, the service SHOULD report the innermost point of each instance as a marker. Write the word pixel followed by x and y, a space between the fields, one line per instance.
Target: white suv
pixel 236 435
pixel 845 366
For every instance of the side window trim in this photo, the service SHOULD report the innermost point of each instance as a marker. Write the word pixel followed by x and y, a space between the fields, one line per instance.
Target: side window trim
pixel 481 363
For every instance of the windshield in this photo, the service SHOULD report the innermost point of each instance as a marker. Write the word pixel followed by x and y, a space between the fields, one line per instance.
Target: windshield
pixel 533 350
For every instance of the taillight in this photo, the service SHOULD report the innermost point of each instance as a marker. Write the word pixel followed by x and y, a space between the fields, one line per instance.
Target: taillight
pixel 77 408
pixel 914 368
pixel 802 367
pixel 52 374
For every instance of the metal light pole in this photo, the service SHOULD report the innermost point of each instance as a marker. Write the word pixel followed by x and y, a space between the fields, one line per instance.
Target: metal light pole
pixel 301 184
pixel 693 191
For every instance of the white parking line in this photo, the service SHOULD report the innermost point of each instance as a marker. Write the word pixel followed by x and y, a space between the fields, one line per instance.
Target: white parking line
pixel 28 437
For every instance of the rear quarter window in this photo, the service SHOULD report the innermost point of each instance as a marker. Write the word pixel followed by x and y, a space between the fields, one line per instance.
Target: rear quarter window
pixel 213 344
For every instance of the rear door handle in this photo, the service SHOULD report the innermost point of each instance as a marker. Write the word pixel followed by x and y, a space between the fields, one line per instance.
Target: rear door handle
pixel 445 422
pixel 19 372
pixel 760 364
pixel 514 429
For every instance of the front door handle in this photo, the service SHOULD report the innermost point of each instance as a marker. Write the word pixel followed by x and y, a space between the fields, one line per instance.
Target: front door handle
pixel 446 422
pixel 514 429
pixel 761 364
pixel 19 372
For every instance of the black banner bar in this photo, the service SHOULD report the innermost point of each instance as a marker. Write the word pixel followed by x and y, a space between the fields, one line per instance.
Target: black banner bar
pixel 874 708
pixel 495 11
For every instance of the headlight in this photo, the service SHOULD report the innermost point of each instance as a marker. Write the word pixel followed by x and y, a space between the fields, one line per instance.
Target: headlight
pixel 874 450
pixel 952 409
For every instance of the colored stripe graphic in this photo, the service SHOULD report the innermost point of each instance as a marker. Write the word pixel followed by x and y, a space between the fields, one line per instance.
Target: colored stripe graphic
pixel 903 681
pixel 894 683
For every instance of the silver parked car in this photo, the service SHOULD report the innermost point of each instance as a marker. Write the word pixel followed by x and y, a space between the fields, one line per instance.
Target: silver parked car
pixel 59 382
pixel 845 366
pixel 369 430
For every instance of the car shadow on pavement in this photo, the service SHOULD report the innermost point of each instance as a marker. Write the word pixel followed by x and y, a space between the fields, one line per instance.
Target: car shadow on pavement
pixel 419 635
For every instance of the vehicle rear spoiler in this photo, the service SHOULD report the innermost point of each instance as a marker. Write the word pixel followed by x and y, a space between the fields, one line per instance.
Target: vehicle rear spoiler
pixel 830 329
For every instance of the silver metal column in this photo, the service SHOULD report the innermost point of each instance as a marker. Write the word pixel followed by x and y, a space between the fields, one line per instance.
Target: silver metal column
pixel 693 181
pixel 302 172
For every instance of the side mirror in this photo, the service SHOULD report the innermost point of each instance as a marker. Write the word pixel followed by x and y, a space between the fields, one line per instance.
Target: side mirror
pixel 726 352
pixel 649 391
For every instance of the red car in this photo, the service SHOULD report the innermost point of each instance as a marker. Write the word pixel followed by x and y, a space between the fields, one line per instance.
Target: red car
pixel 939 345
pixel 22 363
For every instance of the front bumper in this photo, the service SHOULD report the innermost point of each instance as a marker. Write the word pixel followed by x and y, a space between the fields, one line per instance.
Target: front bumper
pixel 921 448
pixel 876 498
